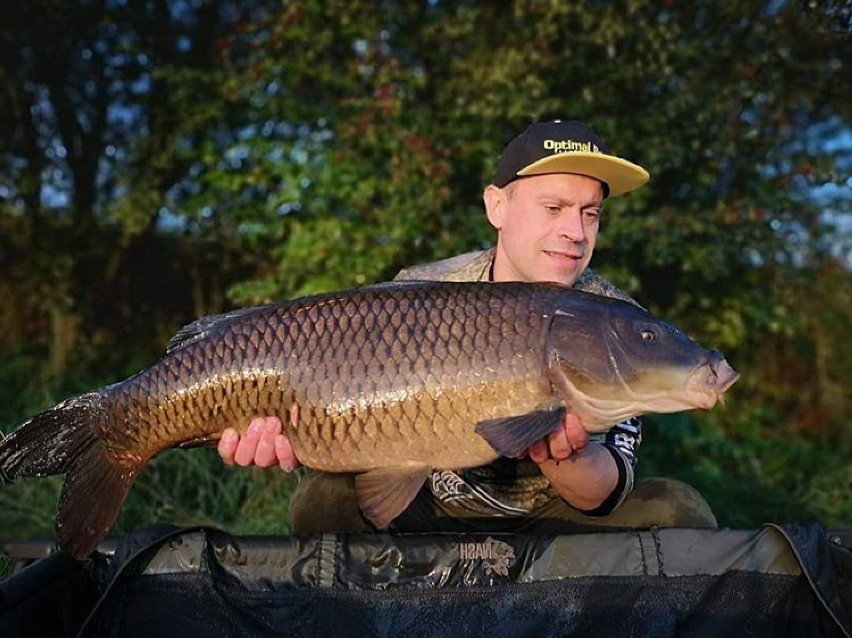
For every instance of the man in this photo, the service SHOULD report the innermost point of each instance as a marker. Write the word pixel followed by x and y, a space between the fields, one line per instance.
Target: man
pixel 545 203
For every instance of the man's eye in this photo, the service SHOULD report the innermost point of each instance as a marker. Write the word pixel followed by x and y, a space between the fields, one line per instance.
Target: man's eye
pixel 553 208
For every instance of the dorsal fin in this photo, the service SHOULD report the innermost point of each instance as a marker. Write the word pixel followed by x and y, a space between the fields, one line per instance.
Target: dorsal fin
pixel 201 327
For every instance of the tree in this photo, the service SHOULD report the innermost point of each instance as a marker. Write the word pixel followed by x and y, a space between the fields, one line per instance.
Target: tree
pixel 98 96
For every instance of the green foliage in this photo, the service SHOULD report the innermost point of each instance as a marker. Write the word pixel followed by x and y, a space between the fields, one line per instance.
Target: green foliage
pixel 190 488
pixel 163 162
pixel 751 474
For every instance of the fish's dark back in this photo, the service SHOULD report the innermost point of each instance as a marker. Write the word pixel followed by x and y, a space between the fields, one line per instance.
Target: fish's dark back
pixel 393 373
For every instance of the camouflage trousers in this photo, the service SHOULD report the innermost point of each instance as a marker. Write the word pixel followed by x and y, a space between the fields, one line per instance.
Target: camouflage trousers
pixel 326 503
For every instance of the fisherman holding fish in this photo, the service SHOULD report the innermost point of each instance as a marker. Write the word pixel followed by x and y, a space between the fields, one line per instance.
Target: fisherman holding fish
pixel 545 203
pixel 497 392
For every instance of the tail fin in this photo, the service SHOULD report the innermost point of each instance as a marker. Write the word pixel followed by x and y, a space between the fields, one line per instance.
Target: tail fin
pixel 65 439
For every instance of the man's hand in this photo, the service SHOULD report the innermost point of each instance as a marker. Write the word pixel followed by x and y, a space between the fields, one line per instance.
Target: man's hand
pixel 263 444
pixel 562 443
pixel 590 476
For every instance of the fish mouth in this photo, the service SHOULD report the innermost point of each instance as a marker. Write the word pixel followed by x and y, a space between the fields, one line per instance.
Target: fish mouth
pixel 708 383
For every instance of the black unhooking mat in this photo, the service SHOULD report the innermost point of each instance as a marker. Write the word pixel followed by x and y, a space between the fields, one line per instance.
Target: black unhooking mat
pixel 776 581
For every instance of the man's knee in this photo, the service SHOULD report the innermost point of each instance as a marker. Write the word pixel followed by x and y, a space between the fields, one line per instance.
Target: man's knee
pixel 325 502
pixel 668 502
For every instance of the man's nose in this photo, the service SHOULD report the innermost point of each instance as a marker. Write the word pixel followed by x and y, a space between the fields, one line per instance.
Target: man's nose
pixel 571 226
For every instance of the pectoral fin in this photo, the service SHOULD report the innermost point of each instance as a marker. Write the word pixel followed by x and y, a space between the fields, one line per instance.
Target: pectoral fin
pixel 385 492
pixel 510 436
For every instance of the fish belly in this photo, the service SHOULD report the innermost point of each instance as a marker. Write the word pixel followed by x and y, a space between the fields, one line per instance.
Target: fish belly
pixel 433 429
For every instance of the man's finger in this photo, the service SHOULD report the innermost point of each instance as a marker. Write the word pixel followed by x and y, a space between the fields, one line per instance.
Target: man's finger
pixel 287 460
pixel 575 433
pixel 227 445
pixel 264 455
pixel 557 443
pixel 247 446
pixel 538 451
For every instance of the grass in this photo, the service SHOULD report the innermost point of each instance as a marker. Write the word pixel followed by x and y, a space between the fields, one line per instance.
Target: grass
pixel 183 487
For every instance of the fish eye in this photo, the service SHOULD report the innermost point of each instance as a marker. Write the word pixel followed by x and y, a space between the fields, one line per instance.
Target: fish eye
pixel 647 335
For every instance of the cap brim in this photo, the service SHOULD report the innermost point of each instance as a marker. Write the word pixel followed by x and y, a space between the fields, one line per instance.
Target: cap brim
pixel 620 175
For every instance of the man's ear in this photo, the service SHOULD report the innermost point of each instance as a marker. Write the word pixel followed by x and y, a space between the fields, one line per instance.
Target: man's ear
pixel 495 205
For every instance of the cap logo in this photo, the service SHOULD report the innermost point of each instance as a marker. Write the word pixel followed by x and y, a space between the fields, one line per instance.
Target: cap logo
pixel 568 146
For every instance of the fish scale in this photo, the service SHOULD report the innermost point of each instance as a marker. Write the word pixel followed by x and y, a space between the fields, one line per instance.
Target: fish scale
pixel 429 327
pixel 356 369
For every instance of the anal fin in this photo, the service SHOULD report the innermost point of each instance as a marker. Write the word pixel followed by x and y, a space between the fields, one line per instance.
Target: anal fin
pixel 384 493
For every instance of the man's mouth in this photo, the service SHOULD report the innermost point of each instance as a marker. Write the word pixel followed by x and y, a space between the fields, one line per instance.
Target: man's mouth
pixel 567 256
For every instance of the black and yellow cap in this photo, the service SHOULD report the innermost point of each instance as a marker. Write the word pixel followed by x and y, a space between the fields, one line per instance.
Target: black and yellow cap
pixel 567 147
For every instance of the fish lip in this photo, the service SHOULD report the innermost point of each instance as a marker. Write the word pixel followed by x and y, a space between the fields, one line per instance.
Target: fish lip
pixel 709 381
pixel 726 377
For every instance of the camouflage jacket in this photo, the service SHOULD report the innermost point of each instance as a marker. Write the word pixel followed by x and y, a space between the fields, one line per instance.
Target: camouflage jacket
pixel 510 487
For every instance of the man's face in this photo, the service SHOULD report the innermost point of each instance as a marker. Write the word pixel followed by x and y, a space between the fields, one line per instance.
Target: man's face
pixel 546 225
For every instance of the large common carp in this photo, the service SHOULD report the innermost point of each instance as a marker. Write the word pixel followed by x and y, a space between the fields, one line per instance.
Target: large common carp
pixel 390 381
